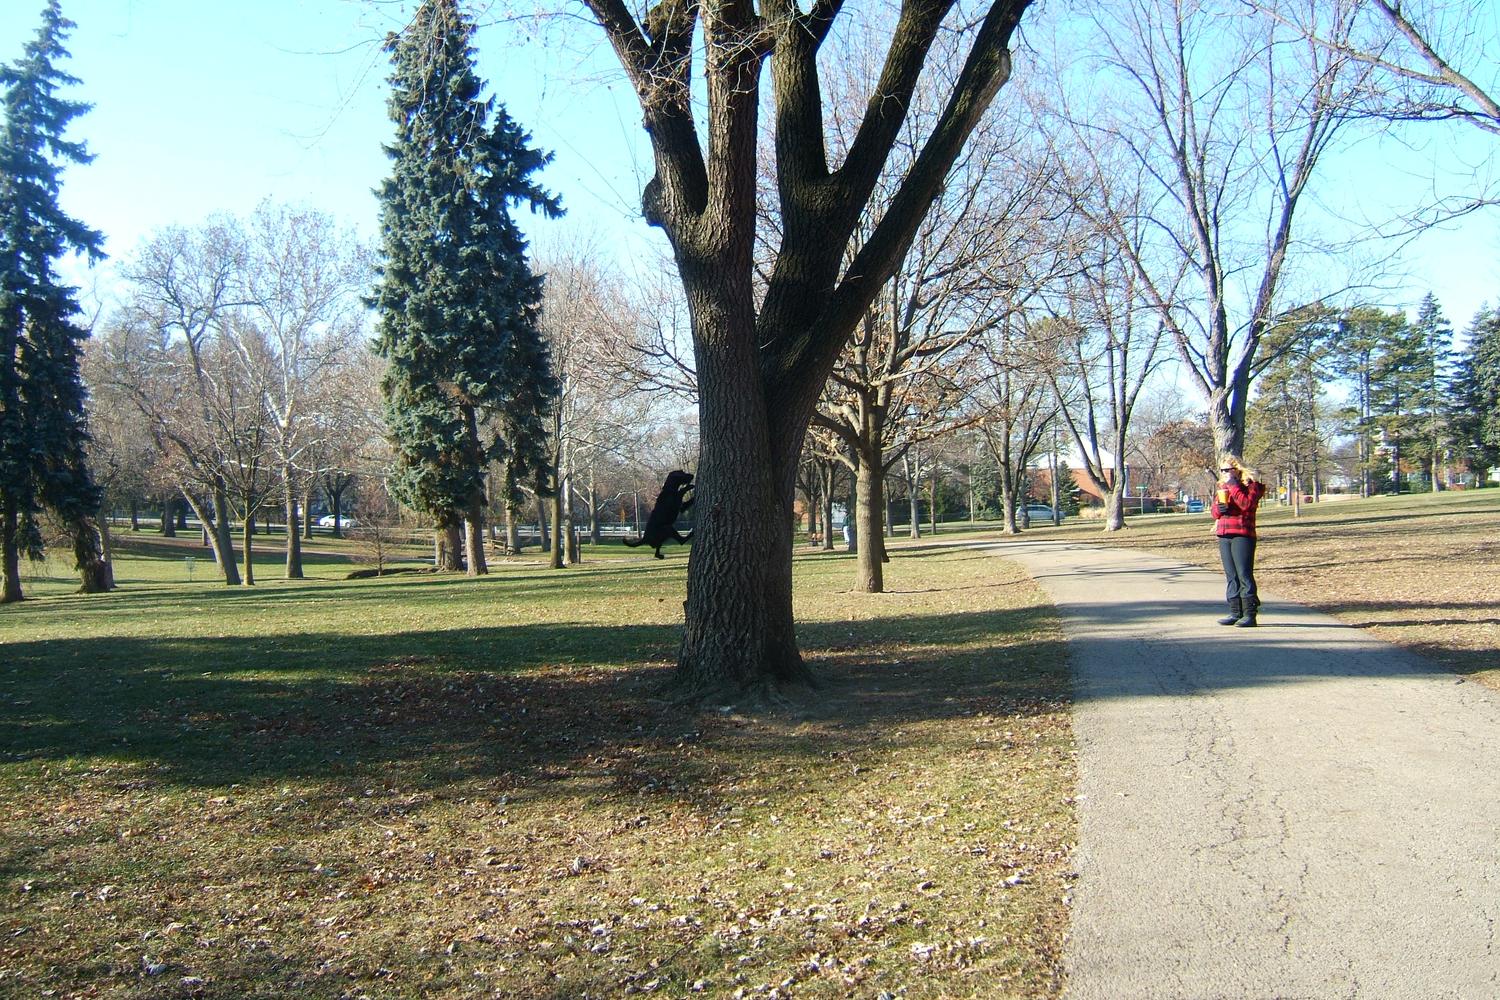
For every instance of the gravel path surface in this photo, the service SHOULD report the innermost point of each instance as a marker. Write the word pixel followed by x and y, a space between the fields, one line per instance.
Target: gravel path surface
pixel 1292 811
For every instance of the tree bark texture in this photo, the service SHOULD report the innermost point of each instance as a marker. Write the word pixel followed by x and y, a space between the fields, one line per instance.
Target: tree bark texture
pixel 760 371
pixel 448 539
pixel 1114 507
pixel 95 573
pixel 12 590
pixel 827 516
pixel 869 513
pixel 249 540
pixel 216 531
pixel 474 540
pixel 559 529
pixel 293 531
pixel 570 525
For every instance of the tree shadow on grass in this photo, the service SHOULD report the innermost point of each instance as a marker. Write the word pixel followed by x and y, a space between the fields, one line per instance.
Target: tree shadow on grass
pixel 510 705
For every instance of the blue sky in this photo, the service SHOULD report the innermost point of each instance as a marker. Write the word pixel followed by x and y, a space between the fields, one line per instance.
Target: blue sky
pixel 212 105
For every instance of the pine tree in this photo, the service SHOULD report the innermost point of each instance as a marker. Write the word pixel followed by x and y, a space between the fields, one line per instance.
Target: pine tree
pixel 1284 424
pixel 1358 353
pixel 469 379
pixel 42 427
pixel 1434 335
pixel 1475 394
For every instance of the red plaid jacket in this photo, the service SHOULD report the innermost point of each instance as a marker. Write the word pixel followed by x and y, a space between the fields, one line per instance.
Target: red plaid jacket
pixel 1237 517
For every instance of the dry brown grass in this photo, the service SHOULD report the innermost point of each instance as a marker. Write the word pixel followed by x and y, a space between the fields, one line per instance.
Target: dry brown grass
pixel 450 788
pixel 1419 571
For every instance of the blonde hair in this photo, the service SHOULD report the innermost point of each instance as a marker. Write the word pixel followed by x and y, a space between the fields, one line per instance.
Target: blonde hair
pixel 1229 461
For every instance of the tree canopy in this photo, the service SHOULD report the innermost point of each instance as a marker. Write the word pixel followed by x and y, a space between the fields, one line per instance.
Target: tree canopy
pixel 469 379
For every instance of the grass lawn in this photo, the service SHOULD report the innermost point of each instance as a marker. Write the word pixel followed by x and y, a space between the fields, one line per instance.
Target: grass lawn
pixel 435 786
pixel 1417 570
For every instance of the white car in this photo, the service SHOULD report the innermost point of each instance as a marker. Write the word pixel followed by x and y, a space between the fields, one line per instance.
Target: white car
pixel 1038 512
pixel 327 521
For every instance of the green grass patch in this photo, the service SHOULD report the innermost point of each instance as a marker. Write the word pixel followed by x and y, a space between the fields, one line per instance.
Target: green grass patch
pixel 436 786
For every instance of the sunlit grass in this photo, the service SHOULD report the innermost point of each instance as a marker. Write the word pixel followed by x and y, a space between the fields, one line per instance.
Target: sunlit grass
pixel 434 786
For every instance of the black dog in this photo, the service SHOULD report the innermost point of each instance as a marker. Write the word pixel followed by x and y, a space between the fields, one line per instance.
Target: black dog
pixel 670 503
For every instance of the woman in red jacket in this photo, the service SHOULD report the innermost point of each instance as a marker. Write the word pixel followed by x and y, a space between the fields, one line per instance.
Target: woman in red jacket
pixel 1234 506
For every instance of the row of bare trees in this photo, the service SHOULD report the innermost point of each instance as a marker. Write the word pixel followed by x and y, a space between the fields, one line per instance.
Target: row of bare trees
pixel 234 376
pixel 1053 277
pixel 232 373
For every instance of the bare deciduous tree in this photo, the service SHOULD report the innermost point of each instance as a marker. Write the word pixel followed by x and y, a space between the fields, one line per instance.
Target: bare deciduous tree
pixel 300 286
pixel 761 364
pixel 1228 117
pixel 168 357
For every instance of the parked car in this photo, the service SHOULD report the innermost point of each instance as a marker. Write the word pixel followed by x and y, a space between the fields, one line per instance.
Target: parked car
pixel 1194 506
pixel 327 521
pixel 1039 512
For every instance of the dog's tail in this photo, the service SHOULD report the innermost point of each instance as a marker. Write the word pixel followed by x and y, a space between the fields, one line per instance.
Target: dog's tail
pixel 635 544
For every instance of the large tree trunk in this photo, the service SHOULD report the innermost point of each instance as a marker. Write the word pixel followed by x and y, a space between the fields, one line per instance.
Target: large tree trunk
pixel 827 515
pixel 1114 506
pixel 869 510
pixel 221 539
pixel 216 531
pixel 512 535
pixel 169 518
pixel 12 591
pixel 474 539
pixel 1007 487
pixel 336 506
pixel 559 528
pixel 570 527
pixel 293 530
pixel 1228 432
pixel 448 545
pixel 94 571
pixel 107 548
pixel 249 536
pixel 739 636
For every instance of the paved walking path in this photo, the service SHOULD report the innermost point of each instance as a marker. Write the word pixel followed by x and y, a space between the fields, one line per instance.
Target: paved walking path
pixel 1293 811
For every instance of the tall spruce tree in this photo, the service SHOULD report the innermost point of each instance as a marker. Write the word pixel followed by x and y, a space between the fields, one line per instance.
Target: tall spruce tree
pixel 1358 357
pixel 42 425
pixel 469 379
pixel 1434 364
pixel 1475 394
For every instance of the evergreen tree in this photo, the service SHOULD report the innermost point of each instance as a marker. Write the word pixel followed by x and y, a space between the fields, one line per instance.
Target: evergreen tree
pixel 469 379
pixel 1475 394
pixel 1434 343
pixel 42 427
pixel 1357 354
pixel 1285 422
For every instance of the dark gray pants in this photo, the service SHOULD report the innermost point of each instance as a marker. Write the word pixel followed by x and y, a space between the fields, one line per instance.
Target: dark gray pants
pixel 1237 553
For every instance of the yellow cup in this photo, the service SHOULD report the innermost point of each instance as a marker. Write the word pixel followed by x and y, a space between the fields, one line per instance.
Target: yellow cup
pixel 1223 496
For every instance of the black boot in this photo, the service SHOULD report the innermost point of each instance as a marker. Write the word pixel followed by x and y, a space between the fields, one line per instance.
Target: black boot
pixel 1248 619
pixel 1233 618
